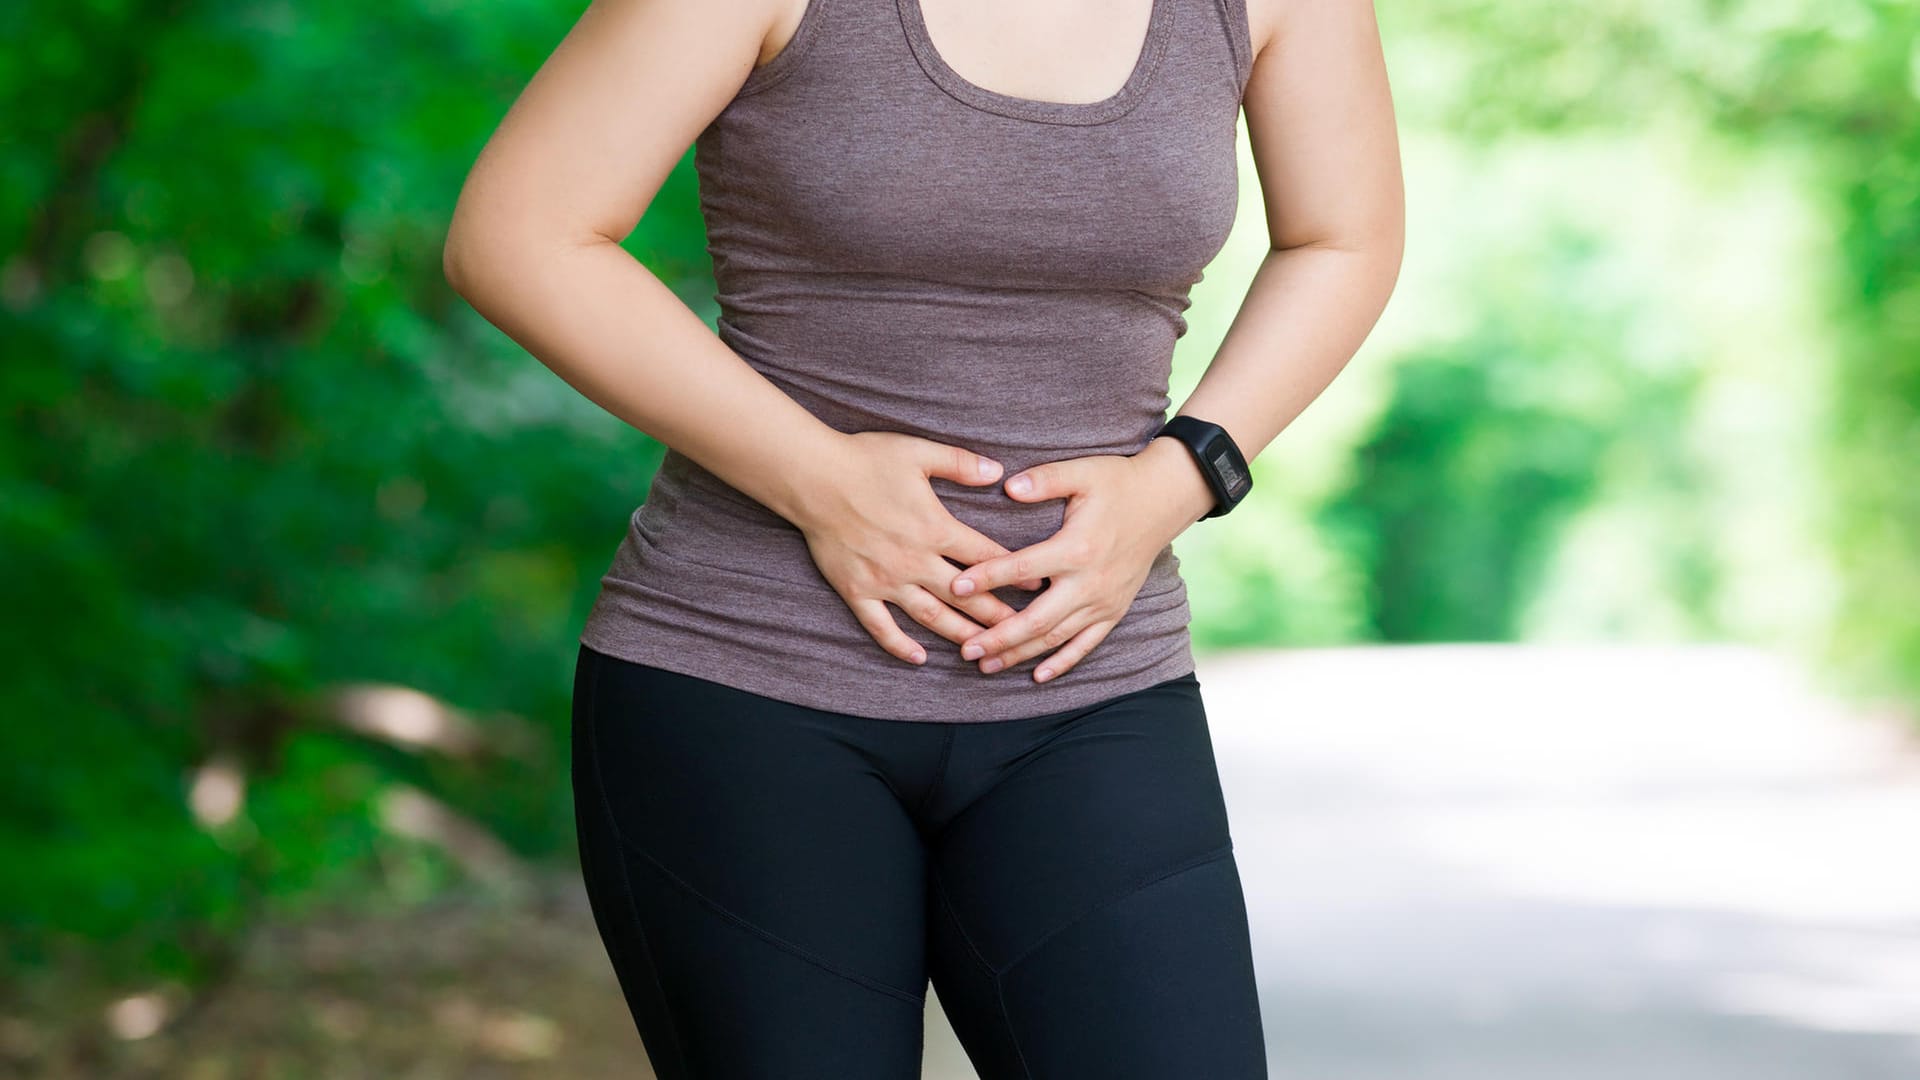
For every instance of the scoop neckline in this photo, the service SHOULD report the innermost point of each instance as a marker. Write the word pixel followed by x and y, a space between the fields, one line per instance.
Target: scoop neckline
pixel 1115 105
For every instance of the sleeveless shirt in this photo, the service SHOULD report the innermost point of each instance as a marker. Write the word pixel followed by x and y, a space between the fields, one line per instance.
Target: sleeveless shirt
pixel 900 249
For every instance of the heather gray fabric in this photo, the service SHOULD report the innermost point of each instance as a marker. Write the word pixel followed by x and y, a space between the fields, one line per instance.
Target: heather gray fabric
pixel 900 249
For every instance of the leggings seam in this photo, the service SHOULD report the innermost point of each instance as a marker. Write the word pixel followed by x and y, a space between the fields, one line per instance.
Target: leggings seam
pixel 946 902
pixel 1116 896
pixel 626 879
pixel 1013 1037
pixel 1026 758
pixel 939 773
pixel 620 837
pixel 999 988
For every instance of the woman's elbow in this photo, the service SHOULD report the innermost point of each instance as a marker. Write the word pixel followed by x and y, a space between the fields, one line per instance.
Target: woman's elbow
pixel 458 256
pixel 472 236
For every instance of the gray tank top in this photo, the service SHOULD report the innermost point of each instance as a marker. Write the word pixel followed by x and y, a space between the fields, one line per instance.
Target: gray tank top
pixel 900 249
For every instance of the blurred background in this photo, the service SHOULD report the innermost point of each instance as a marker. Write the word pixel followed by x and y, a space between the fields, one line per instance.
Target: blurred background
pixel 1565 670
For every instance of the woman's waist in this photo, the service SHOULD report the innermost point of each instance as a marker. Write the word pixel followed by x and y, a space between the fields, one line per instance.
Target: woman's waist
pixel 769 633
pixel 694 518
pixel 725 587
pixel 1021 405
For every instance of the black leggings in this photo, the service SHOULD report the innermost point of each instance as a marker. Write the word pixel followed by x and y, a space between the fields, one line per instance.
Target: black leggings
pixel 776 884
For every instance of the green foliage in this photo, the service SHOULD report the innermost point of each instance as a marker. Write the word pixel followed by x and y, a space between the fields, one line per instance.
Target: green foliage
pixel 1490 441
pixel 1839 79
pixel 257 448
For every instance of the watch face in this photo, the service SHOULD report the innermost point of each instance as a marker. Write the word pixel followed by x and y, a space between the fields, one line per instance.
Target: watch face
pixel 1220 453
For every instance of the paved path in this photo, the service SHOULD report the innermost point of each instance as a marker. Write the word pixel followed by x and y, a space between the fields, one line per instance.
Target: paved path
pixel 1494 862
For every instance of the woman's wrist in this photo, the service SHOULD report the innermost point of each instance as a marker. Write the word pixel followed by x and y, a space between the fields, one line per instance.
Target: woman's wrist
pixel 808 467
pixel 1167 466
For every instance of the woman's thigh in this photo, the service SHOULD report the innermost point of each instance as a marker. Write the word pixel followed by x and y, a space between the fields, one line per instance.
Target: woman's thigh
pixel 759 887
pixel 1086 917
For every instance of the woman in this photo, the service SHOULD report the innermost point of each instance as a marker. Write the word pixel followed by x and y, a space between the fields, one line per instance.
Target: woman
pixel 953 244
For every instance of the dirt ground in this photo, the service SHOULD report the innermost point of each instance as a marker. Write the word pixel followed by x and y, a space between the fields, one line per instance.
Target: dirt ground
pixel 471 988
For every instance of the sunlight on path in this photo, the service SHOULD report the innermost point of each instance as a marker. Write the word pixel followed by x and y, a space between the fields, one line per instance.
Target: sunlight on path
pixel 1571 862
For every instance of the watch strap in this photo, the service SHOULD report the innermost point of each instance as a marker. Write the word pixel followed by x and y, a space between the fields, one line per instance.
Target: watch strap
pixel 1220 461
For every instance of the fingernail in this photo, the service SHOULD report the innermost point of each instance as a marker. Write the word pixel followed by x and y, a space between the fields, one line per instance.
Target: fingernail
pixel 919 657
pixel 1021 484
pixel 993 665
pixel 989 468
pixel 1043 674
pixel 963 586
pixel 971 652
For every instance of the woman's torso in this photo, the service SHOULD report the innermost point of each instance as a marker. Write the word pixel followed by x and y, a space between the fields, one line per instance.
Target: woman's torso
pixel 898 248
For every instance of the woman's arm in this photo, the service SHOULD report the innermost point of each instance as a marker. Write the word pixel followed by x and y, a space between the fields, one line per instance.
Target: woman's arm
pixel 534 243
pixel 534 246
pixel 1321 127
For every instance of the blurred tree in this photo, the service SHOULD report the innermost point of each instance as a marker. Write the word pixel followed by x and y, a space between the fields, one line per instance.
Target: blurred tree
pixel 1837 79
pixel 258 449
pixel 1490 441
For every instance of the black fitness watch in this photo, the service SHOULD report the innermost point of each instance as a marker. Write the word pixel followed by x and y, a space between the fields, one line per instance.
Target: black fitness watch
pixel 1219 460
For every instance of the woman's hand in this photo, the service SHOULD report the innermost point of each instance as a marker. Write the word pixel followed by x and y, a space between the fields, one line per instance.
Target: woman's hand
pixel 879 532
pixel 1121 511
